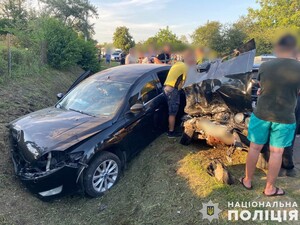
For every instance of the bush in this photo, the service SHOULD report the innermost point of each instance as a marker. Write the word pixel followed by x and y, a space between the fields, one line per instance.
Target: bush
pixel 63 48
pixel 88 59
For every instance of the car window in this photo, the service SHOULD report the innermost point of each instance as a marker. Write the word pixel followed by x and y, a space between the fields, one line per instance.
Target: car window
pixel 95 97
pixel 144 91
pixel 162 76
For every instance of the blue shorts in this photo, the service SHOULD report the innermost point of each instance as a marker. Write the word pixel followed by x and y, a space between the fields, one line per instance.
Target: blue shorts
pixel 173 99
pixel 280 135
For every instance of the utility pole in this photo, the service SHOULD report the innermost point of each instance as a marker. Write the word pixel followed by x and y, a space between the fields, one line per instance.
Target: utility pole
pixel 86 23
pixel 86 27
pixel 9 54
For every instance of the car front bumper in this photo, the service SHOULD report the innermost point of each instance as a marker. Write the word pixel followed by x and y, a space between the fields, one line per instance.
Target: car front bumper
pixel 47 184
pixel 52 183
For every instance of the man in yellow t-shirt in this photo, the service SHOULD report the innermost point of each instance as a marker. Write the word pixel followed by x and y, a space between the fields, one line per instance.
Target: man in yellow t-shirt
pixel 174 82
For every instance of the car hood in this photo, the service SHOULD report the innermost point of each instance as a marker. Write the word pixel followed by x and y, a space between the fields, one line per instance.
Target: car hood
pixel 55 129
pixel 224 85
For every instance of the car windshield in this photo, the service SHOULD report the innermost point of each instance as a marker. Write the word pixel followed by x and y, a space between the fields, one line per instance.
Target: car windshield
pixel 95 97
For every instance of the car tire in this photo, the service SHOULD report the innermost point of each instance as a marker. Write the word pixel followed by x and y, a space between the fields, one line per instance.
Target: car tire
pixel 185 139
pixel 102 174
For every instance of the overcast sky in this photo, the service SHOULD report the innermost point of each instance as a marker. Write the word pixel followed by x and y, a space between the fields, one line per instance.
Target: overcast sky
pixel 145 17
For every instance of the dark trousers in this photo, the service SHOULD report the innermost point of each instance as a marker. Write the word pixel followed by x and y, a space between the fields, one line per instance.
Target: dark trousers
pixel 287 157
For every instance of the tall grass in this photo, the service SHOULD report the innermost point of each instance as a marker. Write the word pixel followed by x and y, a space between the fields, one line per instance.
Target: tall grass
pixel 24 62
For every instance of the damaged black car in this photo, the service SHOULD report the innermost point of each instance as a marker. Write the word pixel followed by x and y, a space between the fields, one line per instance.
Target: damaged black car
pixel 220 98
pixel 83 142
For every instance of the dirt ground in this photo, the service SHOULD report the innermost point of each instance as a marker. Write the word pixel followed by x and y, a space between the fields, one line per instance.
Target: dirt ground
pixel 165 184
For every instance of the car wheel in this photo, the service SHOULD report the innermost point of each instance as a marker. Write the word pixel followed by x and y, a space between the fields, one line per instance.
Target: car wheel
pixel 102 174
pixel 187 136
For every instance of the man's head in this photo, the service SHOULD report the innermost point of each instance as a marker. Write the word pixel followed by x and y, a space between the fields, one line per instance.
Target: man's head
pixel 199 51
pixel 286 46
pixel 189 57
pixel 167 49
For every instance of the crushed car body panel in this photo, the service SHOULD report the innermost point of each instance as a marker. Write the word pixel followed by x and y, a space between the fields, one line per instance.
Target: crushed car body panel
pixel 219 99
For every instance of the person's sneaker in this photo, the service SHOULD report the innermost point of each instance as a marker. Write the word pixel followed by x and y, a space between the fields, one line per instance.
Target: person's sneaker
pixel 173 134
pixel 291 173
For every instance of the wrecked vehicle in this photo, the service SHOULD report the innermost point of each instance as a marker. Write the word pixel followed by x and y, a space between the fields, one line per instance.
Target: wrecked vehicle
pixel 220 98
pixel 83 142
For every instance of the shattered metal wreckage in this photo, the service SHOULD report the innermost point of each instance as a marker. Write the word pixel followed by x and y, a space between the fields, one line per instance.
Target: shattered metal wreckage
pixel 221 98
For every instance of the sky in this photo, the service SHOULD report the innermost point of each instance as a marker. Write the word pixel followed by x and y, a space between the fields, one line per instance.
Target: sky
pixel 145 17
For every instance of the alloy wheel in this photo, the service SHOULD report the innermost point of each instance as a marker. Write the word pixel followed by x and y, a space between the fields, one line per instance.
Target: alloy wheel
pixel 105 175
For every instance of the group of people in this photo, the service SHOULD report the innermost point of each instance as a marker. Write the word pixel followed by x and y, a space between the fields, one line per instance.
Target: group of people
pixel 273 121
pixel 165 56
pixel 149 56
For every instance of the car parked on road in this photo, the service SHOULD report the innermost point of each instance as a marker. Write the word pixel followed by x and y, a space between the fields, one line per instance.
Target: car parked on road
pixel 116 56
pixel 84 141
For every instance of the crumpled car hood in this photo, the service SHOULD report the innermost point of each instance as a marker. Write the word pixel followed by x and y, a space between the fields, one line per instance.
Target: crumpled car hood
pixel 55 129
pixel 225 86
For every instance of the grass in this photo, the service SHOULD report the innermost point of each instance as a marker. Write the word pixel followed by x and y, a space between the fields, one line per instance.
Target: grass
pixel 104 66
pixel 165 184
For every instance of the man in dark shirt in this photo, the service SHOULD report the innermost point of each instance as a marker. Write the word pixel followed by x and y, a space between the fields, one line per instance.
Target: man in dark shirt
pixel 165 56
pixel 287 167
pixel 274 117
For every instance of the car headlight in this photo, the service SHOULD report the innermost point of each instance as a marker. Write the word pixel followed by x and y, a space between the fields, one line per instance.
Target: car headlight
pixel 33 150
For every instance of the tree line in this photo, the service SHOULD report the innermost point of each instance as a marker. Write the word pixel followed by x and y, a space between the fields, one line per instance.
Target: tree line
pixel 58 31
pixel 264 24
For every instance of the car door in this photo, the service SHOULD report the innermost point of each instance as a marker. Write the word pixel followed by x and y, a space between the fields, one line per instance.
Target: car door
pixel 140 126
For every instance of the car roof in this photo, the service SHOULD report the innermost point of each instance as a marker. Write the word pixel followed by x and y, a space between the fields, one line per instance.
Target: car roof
pixel 129 73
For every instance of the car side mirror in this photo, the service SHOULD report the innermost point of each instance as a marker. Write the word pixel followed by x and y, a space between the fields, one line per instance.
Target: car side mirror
pixel 59 96
pixel 137 108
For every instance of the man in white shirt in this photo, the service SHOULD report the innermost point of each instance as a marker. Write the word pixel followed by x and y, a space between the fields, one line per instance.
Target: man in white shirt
pixel 131 58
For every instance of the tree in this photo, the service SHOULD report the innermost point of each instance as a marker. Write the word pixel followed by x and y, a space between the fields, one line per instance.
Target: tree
pixel 209 35
pixel 122 39
pixel 273 18
pixel 184 39
pixel 166 36
pixel 62 46
pixel 276 13
pixel 13 11
pixel 233 37
pixel 88 59
pixel 74 13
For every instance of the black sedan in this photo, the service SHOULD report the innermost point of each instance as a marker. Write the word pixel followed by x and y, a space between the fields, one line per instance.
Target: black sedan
pixel 83 142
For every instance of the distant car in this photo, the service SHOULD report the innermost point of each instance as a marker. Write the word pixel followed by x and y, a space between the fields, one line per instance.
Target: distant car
pixel 84 141
pixel 116 56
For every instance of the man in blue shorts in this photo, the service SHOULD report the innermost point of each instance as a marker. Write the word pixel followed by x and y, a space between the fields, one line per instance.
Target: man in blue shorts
pixel 273 119
pixel 172 86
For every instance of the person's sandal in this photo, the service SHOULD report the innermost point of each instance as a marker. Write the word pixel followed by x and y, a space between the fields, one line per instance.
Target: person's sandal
pixel 276 193
pixel 242 183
